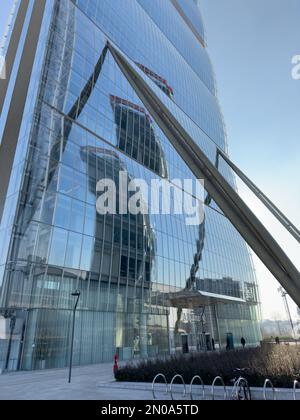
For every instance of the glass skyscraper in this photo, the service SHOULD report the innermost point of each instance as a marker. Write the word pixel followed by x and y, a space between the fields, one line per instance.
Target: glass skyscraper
pixel 150 285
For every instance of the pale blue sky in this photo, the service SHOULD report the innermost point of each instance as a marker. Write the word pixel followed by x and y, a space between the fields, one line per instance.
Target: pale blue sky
pixel 5 8
pixel 251 43
pixel 4 13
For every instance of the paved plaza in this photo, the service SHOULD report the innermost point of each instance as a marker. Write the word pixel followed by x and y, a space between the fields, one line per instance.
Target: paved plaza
pixel 97 383
pixel 88 383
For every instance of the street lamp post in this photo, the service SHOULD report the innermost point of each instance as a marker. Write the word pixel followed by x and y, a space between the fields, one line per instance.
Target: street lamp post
pixel 77 295
pixel 287 308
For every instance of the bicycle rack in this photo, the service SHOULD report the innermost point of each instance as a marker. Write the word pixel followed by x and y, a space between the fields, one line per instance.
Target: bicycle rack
pixel 191 387
pixel 268 382
pixel 160 375
pixel 296 384
pixel 237 385
pixel 218 378
pixel 172 383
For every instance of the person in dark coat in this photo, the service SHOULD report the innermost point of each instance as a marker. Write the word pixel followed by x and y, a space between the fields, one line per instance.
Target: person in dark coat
pixel 213 344
pixel 227 344
pixel 243 341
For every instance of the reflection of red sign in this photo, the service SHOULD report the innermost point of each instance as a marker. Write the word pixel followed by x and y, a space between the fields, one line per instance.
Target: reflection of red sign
pixel 156 77
pixel 115 100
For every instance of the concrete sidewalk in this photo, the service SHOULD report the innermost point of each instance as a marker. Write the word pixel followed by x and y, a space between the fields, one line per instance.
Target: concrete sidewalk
pixel 88 383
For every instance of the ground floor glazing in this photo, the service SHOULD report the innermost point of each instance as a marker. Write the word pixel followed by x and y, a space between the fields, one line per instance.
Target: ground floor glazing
pixel 40 338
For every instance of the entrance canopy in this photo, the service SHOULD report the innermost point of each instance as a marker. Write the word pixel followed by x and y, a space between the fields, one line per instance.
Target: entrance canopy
pixel 191 299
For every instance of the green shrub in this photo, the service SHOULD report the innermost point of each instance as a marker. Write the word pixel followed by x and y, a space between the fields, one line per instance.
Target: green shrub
pixel 280 364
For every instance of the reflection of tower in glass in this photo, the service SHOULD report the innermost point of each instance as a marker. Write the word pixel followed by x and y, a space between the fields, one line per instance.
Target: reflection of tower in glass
pixel 158 80
pixel 222 286
pixel 136 135
pixel 137 234
pixel 134 238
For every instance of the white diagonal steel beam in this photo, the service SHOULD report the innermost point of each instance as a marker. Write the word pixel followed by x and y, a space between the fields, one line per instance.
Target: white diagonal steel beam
pixel 234 208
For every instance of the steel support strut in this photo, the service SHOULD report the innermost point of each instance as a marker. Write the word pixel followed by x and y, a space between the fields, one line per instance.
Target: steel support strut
pixel 286 223
pixel 234 208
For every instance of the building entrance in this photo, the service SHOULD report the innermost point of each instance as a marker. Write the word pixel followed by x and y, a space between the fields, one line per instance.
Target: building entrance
pixel 185 343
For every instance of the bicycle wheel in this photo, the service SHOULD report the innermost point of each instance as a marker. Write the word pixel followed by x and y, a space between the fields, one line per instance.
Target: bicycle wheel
pixel 246 391
pixel 241 391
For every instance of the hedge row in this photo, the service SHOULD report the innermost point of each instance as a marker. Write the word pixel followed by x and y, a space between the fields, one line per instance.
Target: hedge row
pixel 280 364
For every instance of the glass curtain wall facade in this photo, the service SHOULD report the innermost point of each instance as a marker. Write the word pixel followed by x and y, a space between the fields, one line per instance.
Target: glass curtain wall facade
pixel 83 122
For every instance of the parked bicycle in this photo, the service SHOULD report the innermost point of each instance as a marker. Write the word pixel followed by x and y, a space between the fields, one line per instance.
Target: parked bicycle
pixel 241 390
